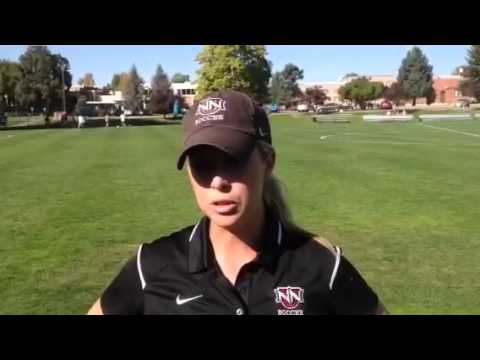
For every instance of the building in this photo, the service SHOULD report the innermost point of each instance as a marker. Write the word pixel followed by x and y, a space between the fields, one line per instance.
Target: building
pixel 108 103
pixel 447 88
pixel 187 90
pixel 115 97
pixel 330 88
pixel 386 80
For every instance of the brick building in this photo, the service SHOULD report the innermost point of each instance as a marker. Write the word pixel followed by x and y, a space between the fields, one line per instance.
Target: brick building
pixel 447 88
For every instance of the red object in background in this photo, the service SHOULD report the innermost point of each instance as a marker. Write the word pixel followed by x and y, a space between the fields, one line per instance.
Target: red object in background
pixel 386 105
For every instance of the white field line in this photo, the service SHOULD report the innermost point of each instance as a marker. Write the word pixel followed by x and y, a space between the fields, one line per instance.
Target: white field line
pixel 380 118
pixel 380 142
pixel 384 142
pixel 451 130
pixel 445 117
pixel 366 135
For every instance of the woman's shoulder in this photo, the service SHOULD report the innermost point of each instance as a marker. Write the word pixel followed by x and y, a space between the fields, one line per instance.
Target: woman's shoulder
pixel 305 241
pixel 324 244
pixel 312 250
pixel 166 248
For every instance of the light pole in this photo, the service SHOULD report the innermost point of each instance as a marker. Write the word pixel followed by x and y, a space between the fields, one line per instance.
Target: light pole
pixel 62 66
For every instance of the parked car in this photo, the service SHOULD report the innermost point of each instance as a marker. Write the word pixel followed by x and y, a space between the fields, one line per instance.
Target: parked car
pixel 3 120
pixel 386 105
pixel 302 108
pixel 463 102
pixel 372 106
pixel 328 108
pixel 346 107
pixel 274 108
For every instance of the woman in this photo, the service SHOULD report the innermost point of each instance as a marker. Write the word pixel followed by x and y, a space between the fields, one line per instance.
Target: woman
pixel 245 256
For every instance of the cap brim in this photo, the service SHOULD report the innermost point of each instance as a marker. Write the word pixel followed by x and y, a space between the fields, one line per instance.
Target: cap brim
pixel 233 142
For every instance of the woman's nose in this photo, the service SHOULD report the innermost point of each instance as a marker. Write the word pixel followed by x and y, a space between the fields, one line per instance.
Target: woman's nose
pixel 220 183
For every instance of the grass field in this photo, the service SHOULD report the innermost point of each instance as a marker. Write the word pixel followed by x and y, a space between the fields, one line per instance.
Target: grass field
pixel 400 199
pixel 25 120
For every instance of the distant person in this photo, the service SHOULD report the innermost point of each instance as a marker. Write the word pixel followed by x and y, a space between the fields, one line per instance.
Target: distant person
pixel 123 119
pixel 81 121
pixel 107 120
pixel 245 255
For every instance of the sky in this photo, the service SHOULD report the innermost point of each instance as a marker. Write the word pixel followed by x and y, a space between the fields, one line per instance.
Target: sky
pixel 319 62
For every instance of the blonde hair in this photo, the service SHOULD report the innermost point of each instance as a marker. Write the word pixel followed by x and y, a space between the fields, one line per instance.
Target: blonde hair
pixel 275 200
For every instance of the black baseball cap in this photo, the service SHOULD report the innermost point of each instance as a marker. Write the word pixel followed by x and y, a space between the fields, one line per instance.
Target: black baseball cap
pixel 227 120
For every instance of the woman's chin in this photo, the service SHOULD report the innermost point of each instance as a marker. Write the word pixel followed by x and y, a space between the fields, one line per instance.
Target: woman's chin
pixel 224 220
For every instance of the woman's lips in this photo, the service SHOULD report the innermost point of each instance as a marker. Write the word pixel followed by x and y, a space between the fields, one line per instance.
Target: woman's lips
pixel 224 207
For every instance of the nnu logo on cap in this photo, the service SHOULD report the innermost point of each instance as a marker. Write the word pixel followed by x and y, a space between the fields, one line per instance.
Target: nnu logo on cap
pixel 210 106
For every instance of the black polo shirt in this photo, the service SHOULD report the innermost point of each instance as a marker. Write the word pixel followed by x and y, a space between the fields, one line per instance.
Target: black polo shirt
pixel 292 275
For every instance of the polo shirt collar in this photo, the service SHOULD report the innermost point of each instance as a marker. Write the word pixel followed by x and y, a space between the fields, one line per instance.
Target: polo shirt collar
pixel 200 251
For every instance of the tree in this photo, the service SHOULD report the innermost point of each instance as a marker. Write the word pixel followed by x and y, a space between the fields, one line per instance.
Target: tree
pixel 431 95
pixel 119 81
pixel 361 90
pixel 162 94
pixel 10 73
pixel 114 84
pixel 463 70
pixel 350 75
pixel 238 67
pixel 316 95
pixel 471 84
pixel 394 93
pixel 123 82
pixel 415 75
pixel 133 93
pixel 180 78
pixel 88 80
pixel 284 85
pixel 278 89
pixel 40 85
pixel 291 74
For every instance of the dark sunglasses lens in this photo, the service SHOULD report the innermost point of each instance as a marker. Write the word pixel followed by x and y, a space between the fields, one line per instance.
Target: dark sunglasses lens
pixel 213 165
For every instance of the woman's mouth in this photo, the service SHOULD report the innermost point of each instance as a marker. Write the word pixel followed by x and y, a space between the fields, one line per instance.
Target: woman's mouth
pixel 224 207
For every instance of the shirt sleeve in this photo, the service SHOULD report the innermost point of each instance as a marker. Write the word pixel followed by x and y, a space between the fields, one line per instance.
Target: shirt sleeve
pixel 124 295
pixel 350 294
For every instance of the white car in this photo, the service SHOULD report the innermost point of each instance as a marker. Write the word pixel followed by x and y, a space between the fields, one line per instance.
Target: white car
pixel 463 102
pixel 302 108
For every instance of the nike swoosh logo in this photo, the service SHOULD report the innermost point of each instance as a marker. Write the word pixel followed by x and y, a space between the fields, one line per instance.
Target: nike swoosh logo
pixel 186 300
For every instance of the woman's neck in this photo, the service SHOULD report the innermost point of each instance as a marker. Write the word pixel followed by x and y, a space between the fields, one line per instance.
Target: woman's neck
pixel 235 247
pixel 247 231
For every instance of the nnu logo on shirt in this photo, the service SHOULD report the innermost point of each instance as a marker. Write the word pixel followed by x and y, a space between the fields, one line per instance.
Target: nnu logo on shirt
pixel 290 297
pixel 209 108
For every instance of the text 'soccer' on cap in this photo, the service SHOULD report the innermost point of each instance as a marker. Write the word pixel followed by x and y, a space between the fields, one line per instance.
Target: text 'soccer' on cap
pixel 227 120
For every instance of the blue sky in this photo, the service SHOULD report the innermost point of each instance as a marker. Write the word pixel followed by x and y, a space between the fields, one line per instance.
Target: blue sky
pixel 320 62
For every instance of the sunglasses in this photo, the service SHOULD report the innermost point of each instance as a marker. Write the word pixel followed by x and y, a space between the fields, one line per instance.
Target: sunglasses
pixel 205 163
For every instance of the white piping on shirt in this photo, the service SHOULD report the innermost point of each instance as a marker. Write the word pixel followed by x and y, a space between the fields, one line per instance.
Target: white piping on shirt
pixel 338 256
pixel 139 267
pixel 279 236
pixel 193 232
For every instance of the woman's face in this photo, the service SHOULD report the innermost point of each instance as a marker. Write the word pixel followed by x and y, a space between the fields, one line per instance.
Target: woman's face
pixel 227 191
